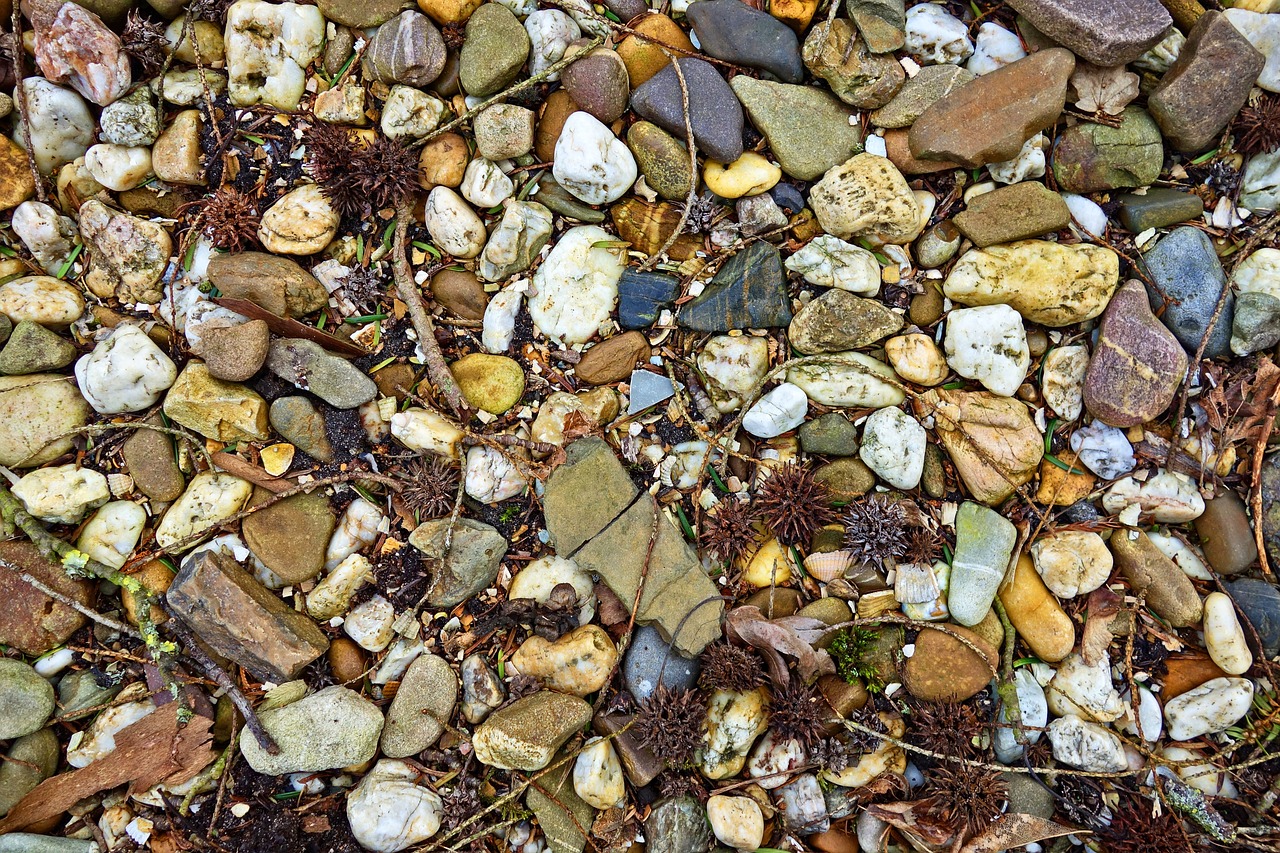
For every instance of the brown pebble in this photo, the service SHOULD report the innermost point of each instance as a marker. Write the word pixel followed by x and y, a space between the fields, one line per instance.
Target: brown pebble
pixel 460 293
pixel 347 660
pixel 926 308
pixel 614 359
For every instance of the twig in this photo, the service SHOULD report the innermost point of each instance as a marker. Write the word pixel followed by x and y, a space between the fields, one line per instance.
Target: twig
pixel 68 601
pixel 223 680
pixel 652 260
pixel 1006 688
pixel 98 429
pixel 20 94
pixel 407 290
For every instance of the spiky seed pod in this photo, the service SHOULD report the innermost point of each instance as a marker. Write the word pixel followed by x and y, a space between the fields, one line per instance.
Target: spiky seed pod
pixel 727 532
pixel 875 529
pixel 144 40
pixel 1136 827
pixel 704 213
pixel 799 712
pixel 454 35
pixel 431 487
pixel 922 546
pixel 793 504
pixel 670 724
pixel 864 742
pixel 947 728
pixel 729 667
pixel 385 173
pixel 964 797
pixel 229 219
pixel 363 287
pixel 330 150
pixel 209 10
pixel 1257 126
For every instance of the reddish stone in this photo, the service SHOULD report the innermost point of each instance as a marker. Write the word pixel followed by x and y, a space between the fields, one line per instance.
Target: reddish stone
pixel 30 621
pixel 75 47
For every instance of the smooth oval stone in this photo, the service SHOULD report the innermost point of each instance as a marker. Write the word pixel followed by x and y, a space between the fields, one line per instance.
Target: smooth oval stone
pixel 663 161
pixel 598 84
pixel 984 542
pixel 1159 207
pixel 1138 364
pixel 1226 537
pixel 732 30
pixel 407 49
pixel 714 113
pixel 1185 269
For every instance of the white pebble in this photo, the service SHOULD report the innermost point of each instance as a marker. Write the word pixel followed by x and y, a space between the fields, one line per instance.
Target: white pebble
pixel 1223 636
pixel 893 446
pixel 781 410
pixel 988 344
pixel 1212 707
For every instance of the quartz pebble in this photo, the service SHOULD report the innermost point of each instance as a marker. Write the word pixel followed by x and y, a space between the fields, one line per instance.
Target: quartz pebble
pixel 1223 637
pixel 990 345
pixel 893 446
pixel 779 411
pixel 1212 707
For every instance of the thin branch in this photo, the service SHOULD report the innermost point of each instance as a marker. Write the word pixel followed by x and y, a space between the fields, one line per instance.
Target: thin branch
pixel 652 260
pixel 20 95
pixel 407 290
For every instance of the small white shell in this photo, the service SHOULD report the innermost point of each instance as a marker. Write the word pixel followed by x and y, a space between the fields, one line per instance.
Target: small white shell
pixel 829 565
pixel 915 584
pixel 120 484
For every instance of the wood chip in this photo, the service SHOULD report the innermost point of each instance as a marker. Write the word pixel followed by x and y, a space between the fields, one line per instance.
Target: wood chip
pixel 153 750
pixel 233 464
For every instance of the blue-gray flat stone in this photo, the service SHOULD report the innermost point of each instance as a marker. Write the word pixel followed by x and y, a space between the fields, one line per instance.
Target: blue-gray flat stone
pixel 714 111
pixel 642 296
pixel 1186 269
pixel 648 389
pixel 749 292
pixel 734 31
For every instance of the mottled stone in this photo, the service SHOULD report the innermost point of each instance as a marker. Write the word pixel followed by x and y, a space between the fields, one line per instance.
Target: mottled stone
pixel 1095 157
pixel 749 291
pixel 1100 31
pixel 1167 588
pixel 1185 268
pixel 988 119
pixel 808 130
pixel 857 76
pixel 1015 212
pixel 31 621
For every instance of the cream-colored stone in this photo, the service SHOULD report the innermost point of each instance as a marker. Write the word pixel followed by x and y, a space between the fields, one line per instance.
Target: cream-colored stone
pixel 866 196
pixel 916 358
pixel 301 222
pixel 210 499
pixel 578 663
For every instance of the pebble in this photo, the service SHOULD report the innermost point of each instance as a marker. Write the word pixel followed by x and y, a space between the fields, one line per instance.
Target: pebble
pixel 453 225
pixel 1036 614
pixel 930 84
pixel 309 366
pixel 856 76
pixel 1014 212
pixel 803 806
pixel 130 254
pixel 371 625
pixel 749 291
pixel 526 734
pixel 734 721
pixel 649 658
pixel 484 184
pixel 290 537
pixel 1185 267
pixel 410 113
pixel 389 811
pixel 471 563
pixel 110 535
pixel 1098 31
pixel 297 420
pixel 1095 157
pixel 866 196
pixel 1138 364
pixel 838 321
pixel 492 383
pixel 32 348
pixel 209 499
pixel 1226 536
pixel 597 775
pixel 1029 163
pixel 642 296
pixel 300 222
pixel 1259 601
pixel 1223 637
pixel 916 358
pixel 1256 324
pixel 714 113
pixel 828 261
pixel 1260 185
pixel 749 175
pixel 1104 450
pixel 1072 562
pixel 126 372
pixel 988 119
pixel 74 46
pixel 1062 380
pixel 736 821
pixel 495 48
pixel 131 121
pixel 28 699
pixel 1086 746
pixel 1047 283
pixel 893 446
pixel 1263 32
pixel 988 344
pixel 551 31
pixel 421 709
pixel 984 542
pixel 61 494
pixel 935 37
pixel 491 477
pixel 732 366
pixel 995 47
pixel 808 130
pixel 1169 496
pixel 829 435
pixel 576 285
pixel 406 49
pixel 848 379
pixel 661 159
pixel 268 47
pixel 781 410
pixel 45 233
pixel 1208 84
pixel 29 761
pixel 1168 590
pixel 591 162
pixel 60 124
pixel 1033 711
pixel 944 669
pixel 481 690
pixel 1212 707
pixel 578 663
pixel 744 35
pixel 677 825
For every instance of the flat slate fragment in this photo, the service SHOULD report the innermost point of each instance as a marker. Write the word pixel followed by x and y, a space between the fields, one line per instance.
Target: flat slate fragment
pixel 749 292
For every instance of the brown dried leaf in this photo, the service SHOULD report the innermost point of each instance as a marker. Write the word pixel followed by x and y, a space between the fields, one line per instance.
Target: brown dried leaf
pixel 1106 90
pixel 1102 608
pixel 576 425
pixel 1012 831
pixel 155 749
pixel 749 625
pixel 924 831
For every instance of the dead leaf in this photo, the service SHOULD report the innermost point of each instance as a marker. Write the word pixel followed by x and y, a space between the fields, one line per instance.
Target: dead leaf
pixel 290 328
pixel 1011 831
pixel 991 440
pixel 783 636
pixel 1105 90
pixel 576 425
pixel 1102 608
pixel 924 831
pixel 155 749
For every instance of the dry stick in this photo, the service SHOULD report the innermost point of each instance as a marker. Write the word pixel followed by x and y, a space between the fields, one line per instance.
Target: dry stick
pixel 407 290
pixel 693 167
pixel 98 429
pixel 163 654
pixel 223 680
pixel 68 601
pixel 553 68
pixel 20 94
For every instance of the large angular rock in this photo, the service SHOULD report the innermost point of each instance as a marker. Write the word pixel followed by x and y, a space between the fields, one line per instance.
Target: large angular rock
pixel 526 734
pixel 676 584
pixel 1095 157
pixel 866 196
pixel 1138 364
pixel 750 291
pixel 30 621
pixel 584 494
pixel 312 368
pixel 241 619
pixel 734 31
pixel 560 811
pixel 988 119
pixel 1207 85
pixel 1103 32
pixel 1015 212
pixel 991 440
pixel 37 413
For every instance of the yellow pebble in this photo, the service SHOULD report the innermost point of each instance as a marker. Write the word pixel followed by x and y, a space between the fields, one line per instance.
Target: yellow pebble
pixel 749 175
pixel 769 565
pixel 277 458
